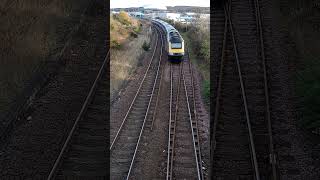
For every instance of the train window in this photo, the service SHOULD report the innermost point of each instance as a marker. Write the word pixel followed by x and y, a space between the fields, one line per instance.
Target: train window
pixel 176 45
pixel 175 42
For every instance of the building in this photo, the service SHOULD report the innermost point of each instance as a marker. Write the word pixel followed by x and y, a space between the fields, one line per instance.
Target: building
pixel 137 14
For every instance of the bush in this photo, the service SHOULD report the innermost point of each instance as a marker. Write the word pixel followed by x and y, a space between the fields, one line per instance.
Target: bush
pixel 123 27
pixel 205 50
pixel 146 46
pixel 200 38
pixel 181 27
pixel 206 91
pixel 124 18
pixel 137 29
pixel 115 44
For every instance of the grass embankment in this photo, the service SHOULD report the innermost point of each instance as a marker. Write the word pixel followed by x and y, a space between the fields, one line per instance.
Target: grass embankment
pixel 301 19
pixel 30 32
pixel 197 39
pixel 129 40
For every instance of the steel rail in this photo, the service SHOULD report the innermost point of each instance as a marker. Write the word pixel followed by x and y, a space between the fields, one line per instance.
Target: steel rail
pixel 171 146
pixel 155 108
pixel 83 109
pixel 133 101
pixel 170 115
pixel 252 146
pixel 146 114
pixel 266 91
pixel 193 133
pixel 195 112
pixel 217 107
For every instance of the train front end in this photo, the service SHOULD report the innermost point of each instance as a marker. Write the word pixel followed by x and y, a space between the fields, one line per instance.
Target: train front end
pixel 176 48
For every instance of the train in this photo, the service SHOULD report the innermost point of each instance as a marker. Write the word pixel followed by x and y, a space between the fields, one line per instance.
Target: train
pixel 174 46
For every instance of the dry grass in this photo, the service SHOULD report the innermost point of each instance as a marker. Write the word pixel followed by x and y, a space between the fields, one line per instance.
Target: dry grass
pixel 121 26
pixel 125 60
pixel 30 31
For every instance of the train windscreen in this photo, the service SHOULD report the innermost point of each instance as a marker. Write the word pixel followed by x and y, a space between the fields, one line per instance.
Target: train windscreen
pixel 176 45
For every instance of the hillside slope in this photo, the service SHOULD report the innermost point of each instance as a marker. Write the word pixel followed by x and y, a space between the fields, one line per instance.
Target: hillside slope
pixel 130 41
pixel 31 33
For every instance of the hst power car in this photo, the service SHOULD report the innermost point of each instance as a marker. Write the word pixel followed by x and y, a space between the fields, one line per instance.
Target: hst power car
pixel 175 42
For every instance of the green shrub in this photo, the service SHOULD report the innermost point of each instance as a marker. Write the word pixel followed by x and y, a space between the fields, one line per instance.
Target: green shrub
pixel 133 34
pixel 206 91
pixel 115 44
pixel 146 46
pixel 205 50
pixel 137 29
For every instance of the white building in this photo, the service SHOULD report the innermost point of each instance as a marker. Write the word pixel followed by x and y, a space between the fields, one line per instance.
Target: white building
pixel 173 16
pixel 183 18
pixel 114 12
pixel 166 15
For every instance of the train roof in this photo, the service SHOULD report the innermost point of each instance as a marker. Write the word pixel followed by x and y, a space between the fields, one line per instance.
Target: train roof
pixel 171 31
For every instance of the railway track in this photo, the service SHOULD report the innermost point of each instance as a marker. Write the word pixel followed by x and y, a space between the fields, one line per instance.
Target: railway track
pixel 50 66
pixel 125 143
pixel 184 157
pixel 83 153
pixel 184 152
pixel 242 135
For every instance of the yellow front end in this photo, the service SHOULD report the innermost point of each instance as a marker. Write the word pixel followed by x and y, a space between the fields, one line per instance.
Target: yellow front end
pixel 176 52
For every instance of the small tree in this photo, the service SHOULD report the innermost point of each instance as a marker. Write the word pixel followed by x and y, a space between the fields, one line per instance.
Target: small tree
pixel 146 46
pixel 205 50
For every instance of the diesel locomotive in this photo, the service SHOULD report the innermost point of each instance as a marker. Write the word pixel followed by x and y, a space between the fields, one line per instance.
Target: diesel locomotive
pixel 174 41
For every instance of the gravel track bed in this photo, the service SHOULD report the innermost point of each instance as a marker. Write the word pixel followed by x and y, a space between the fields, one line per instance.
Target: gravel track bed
pixel 35 142
pixel 203 121
pixel 151 158
pixel 152 154
pixel 86 155
pixel 122 152
pixel 231 156
pixel 121 105
pixel 298 153
pixel 294 148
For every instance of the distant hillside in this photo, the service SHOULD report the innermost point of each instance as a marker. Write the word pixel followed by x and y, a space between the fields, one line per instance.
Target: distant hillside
pixel 130 41
pixel 195 9
pixel 181 9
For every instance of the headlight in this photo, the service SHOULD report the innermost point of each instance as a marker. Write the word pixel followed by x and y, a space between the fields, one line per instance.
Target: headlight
pixel 170 53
